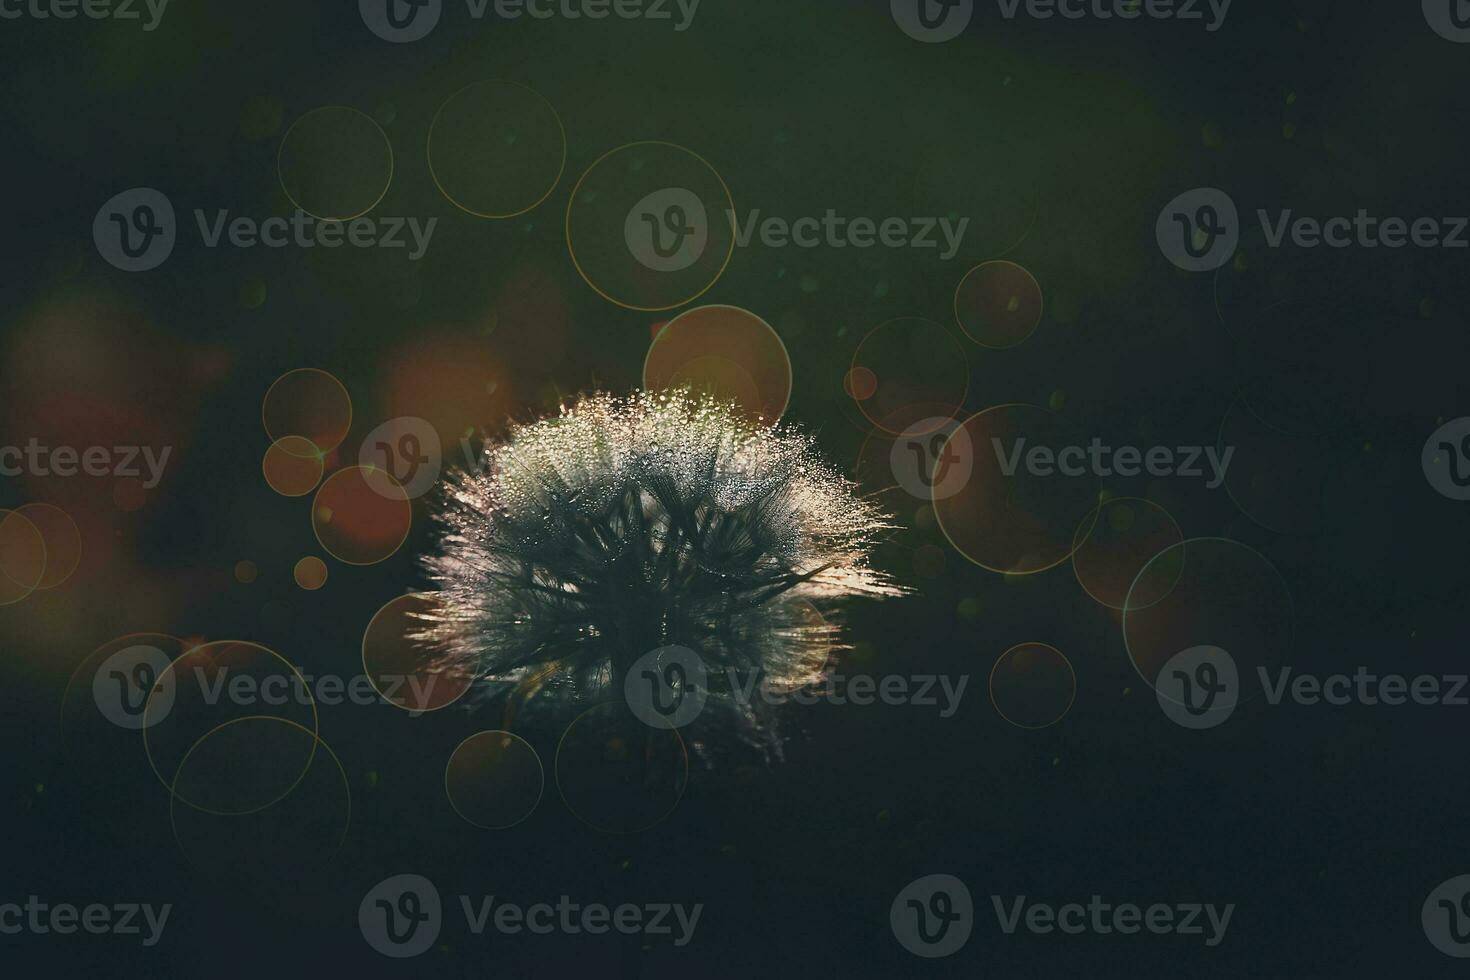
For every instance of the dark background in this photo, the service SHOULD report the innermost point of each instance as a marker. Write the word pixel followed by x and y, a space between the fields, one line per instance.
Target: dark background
pixel 1327 827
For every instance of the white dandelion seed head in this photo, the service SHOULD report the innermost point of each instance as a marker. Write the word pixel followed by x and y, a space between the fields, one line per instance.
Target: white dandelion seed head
pixel 624 524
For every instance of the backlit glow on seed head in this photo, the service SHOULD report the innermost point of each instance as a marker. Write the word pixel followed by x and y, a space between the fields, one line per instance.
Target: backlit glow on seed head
pixel 622 525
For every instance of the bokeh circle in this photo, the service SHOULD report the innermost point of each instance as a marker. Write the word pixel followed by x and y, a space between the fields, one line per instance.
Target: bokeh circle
pixel 404 671
pixel 335 163
pixel 1033 685
pixel 1209 592
pixel 1022 521
pixel 723 351
pixel 292 466
pixel 494 780
pixel 911 369
pixel 292 839
pixel 648 226
pixel 209 686
pixel 361 515
pixel 998 304
pixel 496 149
pixel 308 403
pixel 1113 544
pixel 61 538
pixel 22 557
